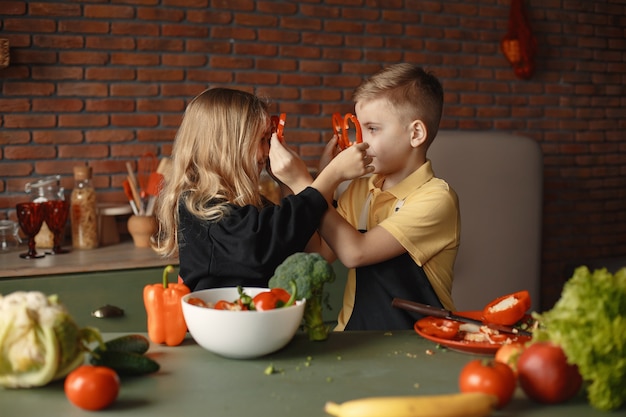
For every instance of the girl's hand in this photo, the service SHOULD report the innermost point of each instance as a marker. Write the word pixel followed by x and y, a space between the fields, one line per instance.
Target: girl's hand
pixel 288 167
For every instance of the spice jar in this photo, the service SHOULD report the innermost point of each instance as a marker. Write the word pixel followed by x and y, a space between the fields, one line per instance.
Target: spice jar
pixel 40 191
pixel 83 211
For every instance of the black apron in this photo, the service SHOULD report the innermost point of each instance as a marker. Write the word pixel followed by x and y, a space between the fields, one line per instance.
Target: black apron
pixel 377 285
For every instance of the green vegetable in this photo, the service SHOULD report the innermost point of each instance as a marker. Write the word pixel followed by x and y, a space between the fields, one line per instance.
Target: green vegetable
pixel 126 363
pixel 309 272
pixel 588 322
pixel 135 343
pixel 39 340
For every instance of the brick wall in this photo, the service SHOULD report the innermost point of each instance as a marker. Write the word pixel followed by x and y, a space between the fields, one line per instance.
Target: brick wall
pixel 105 82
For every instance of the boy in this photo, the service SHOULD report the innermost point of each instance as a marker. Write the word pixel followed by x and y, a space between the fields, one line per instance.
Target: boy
pixel 402 225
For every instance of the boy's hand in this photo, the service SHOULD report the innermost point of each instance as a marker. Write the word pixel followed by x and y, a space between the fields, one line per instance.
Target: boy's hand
pixel 352 162
pixel 330 151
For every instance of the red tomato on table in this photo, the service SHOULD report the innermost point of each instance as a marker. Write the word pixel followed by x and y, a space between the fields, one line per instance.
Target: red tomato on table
pixel 545 376
pixel 489 377
pixel 92 387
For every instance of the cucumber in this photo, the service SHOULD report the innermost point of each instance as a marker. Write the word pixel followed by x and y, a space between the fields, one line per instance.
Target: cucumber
pixel 125 363
pixel 134 343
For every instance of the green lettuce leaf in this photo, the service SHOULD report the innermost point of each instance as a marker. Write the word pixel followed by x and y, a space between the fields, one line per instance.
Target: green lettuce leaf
pixel 589 323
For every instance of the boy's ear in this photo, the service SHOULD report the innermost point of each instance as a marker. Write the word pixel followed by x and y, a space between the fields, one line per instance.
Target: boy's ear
pixel 418 133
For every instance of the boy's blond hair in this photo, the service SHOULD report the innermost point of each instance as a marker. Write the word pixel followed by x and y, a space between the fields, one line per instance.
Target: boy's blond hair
pixel 214 160
pixel 413 93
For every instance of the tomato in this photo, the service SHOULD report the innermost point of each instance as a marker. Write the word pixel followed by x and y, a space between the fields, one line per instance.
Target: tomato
pixel 545 375
pixel 489 377
pixel 92 387
pixel 509 354
pixel 439 327
pixel 282 294
pixel 266 300
pixel 508 309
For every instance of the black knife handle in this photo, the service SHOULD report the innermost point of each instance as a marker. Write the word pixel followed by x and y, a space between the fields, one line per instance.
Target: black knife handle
pixel 420 308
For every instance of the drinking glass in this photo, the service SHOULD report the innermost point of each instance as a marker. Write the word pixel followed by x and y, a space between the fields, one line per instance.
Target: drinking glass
pixel 56 213
pixel 30 217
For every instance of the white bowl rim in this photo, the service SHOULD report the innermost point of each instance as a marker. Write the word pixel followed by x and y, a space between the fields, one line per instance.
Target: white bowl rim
pixel 255 290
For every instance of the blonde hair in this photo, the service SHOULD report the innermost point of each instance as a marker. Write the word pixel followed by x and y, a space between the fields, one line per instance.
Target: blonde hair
pixel 214 161
pixel 411 91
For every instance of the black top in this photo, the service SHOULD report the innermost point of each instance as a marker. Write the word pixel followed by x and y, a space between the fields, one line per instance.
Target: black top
pixel 246 246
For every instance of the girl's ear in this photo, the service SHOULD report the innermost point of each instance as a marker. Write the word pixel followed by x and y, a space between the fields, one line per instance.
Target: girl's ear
pixel 418 133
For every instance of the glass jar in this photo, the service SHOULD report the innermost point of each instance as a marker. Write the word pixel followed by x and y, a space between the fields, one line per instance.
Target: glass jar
pixel 45 189
pixel 83 210
pixel 9 235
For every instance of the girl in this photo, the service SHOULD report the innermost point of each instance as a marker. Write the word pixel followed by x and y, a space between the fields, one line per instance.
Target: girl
pixel 210 210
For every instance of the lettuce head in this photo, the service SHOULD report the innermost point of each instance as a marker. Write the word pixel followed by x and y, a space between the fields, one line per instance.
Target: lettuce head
pixel 39 340
pixel 589 323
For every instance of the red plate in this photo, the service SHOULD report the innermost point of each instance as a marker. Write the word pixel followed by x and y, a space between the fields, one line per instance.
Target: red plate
pixel 483 348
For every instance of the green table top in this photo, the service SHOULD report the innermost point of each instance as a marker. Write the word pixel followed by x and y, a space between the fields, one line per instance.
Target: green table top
pixel 349 365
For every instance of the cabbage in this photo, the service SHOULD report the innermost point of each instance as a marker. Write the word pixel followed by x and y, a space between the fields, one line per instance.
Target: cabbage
pixel 39 340
pixel 589 323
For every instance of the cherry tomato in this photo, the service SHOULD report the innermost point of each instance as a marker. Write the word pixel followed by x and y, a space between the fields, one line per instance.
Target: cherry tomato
pixel 282 295
pixel 266 300
pixel 508 309
pixel 439 327
pixel 544 374
pixel 509 354
pixel 489 377
pixel 92 387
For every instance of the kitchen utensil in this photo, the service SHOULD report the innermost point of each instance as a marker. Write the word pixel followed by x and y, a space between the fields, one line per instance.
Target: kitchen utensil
pixel 147 165
pixel 129 195
pixel 428 310
pixel 155 182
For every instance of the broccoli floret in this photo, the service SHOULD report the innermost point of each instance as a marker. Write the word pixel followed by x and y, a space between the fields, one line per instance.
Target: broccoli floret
pixel 309 271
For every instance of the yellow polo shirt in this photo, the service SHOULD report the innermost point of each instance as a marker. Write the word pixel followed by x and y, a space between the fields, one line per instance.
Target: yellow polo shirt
pixel 422 213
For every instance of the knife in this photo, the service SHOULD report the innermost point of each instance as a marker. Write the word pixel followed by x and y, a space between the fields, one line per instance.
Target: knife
pixel 429 310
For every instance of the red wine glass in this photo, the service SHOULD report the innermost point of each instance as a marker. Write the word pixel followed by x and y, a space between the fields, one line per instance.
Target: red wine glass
pixel 56 217
pixel 30 217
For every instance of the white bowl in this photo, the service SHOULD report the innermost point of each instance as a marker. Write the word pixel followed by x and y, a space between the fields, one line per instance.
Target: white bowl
pixel 240 334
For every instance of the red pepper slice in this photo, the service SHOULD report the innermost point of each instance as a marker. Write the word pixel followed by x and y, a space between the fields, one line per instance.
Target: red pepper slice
pixel 439 327
pixel 224 305
pixel 508 309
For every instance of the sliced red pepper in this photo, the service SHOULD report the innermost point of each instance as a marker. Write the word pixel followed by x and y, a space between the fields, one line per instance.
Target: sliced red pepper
pixel 224 305
pixel 197 302
pixel 439 327
pixel 508 309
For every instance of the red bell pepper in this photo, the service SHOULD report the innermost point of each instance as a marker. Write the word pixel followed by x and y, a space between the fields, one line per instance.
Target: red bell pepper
pixel 166 323
pixel 439 327
pixel 508 309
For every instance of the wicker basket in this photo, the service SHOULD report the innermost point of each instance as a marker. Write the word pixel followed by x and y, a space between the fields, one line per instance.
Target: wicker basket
pixel 4 53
